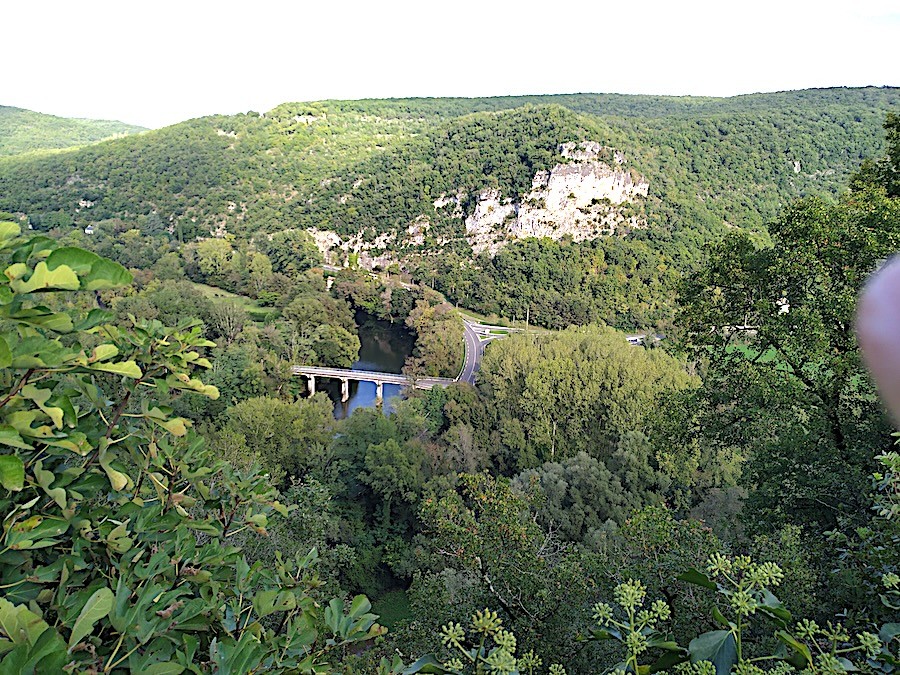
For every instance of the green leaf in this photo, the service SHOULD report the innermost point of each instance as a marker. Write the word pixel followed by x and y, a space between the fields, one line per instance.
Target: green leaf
pixel 10 437
pixel 176 426
pixel 117 479
pixel 96 273
pixel 801 651
pixel 669 660
pixel 696 577
pixel 98 606
pixel 103 353
pixel 8 233
pixel 888 632
pixel 78 260
pixel 774 610
pixel 718 647
pixel 5 354
pixel 40 397
pixel 12 472
pixel 721 619
pixel 19 623
pixel 35 532
pixel 43 279
pixel 124 368
pixel 42 317
pixel 359 606
pixel 427 664
pixel 268 602
pixel 168 668
pixel 106 274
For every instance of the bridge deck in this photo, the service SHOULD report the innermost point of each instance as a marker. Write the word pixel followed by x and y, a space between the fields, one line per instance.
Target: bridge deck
pixel 371 376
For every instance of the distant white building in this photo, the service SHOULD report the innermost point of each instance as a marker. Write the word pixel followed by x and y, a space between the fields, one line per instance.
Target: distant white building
pixel 89 229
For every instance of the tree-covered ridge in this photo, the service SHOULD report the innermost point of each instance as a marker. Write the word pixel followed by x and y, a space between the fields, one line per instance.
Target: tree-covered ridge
pixel 23 131
pixel 501 150
pixel 374 167
pixel 256 171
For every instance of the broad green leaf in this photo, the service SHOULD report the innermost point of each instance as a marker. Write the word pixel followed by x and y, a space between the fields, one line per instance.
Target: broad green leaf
pixel 117 479
pixel 38 247
pixel 427 664
pixel 168 668
pixel 11 437
pixel 8 233
pixel 94 318
pixel 103 352
pixel 721 618
pixel 268 602
pixel 359 606
pixel 5 354
pixel 718 647
pixel 19 623
pixel 42 317
pixel 96 273
pixel 772 608
pixel 16 271
pixel 106 274
pixel 99 605
pixel 124 368
pixel 696 577
pixel 889 631
pixel 176 426
pixel 800 649
pixel 12 472
pixel 43 279
pixel 40 397
pixel 78 259
pixel 35 532
pixel 669 660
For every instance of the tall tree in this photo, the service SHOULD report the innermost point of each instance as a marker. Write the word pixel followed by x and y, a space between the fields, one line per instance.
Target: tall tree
pixel 785 383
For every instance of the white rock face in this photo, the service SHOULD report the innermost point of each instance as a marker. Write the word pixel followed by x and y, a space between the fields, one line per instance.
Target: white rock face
pixel 580 199
pixel 583 198
pixel 372 254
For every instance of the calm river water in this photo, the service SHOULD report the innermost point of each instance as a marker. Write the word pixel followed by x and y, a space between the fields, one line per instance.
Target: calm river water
pixel 384 347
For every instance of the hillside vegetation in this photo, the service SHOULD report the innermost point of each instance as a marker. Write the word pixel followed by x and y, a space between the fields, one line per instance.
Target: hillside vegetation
pixel 371 170
pixel 25 131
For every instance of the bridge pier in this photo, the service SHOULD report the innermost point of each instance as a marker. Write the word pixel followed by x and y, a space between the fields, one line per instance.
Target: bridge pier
pixel 312 385
pixel 379 391
pixel 345 389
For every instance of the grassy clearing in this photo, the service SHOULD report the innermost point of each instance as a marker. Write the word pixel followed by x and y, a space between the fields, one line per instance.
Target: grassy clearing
pixel 392 607
pixel 250 305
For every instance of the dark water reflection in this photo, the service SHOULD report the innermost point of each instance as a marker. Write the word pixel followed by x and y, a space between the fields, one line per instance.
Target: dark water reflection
pixel 384 347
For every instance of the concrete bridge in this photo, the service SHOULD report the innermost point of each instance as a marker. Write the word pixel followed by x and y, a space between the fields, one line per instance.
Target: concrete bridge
pixel 380 379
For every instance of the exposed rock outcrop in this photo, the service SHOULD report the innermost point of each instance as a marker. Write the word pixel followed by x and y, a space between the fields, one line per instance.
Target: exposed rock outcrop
pixel 582 199
pixel 335 250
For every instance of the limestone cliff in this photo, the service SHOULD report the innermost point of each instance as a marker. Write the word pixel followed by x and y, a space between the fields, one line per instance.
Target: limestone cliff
pixel 591 193
pixel 582 198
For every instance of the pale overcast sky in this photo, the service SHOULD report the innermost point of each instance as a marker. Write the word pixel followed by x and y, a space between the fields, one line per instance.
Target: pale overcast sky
pixel 156 63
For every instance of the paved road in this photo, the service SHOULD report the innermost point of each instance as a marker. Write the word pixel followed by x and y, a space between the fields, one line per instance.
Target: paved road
pixel 474 352
pixel 476 336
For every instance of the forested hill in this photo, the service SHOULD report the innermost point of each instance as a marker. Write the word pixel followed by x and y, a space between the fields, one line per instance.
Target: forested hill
pixel 708 160
pixel 24 131
pixel 372 170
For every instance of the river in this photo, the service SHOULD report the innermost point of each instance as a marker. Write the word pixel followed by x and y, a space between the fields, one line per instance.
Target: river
pixel 384 347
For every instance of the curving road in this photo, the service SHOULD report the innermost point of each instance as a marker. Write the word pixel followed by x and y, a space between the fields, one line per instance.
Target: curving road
pixel 476 336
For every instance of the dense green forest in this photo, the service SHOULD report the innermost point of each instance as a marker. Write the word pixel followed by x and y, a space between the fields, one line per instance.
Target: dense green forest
pixel 25 131
pixel 721 501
